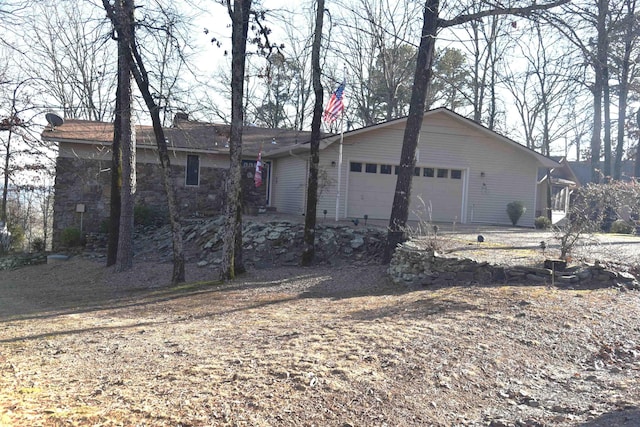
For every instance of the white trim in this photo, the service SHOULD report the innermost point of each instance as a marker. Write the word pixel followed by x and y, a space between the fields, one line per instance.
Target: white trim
pixel 465 196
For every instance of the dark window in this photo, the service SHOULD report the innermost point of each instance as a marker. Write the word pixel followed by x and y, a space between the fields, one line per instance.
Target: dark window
pixel 371 168
pixel 443 173
pixel 456 174
pixel 416 171
pixel 428 172
pixel 193 169
pixel 356 167
pixel 397 169
pixel 385 169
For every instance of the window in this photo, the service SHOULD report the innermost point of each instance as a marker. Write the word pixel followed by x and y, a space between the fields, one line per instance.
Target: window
pixel 397 170
pixel 416 171
pixel 443 173
pixel 456 174
pixel 371 168
pixel 193 170
pixel 385 169
pixel 356 167
pixel 428 172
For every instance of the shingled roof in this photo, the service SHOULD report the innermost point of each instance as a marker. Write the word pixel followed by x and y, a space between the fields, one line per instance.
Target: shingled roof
pixel 185 135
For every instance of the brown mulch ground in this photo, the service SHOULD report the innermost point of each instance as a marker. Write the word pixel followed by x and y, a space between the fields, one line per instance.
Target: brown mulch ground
pixel 81 345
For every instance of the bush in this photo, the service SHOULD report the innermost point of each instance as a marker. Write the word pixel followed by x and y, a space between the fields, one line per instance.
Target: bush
pixel 542 223
pixel 621 227
pixel 71 237
pixel 104 226
pixel 515 210
pixel 37 245
pixel 17 236
pixel 147 216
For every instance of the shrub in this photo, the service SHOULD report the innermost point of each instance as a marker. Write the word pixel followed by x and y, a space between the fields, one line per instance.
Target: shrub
pixel 515 210
pixel 621 227
pixel 71 237
pixel 37 244
pixel 17 236
pixel 147 216
pixel 542 222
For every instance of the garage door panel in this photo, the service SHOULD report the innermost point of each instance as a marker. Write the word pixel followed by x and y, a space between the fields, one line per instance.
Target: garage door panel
pixel 372 194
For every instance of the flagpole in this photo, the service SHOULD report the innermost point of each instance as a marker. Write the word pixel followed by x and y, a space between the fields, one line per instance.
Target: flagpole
pixel 339 167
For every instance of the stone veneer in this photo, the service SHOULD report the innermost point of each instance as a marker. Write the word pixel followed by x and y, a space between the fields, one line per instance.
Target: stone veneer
pixel 415 267
pixel 87 182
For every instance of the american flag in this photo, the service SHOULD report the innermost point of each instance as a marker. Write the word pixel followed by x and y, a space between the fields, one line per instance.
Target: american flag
pixel 257 177
pixel 335 106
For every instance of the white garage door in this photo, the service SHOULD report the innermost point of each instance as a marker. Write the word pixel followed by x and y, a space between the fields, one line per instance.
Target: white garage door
pixel 371 189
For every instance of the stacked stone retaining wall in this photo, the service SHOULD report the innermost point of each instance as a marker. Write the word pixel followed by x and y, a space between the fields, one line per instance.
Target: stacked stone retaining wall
pixel 415 267
pixel 10 262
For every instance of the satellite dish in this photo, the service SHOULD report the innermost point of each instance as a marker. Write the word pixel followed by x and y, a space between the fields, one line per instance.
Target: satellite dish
pixel 53 120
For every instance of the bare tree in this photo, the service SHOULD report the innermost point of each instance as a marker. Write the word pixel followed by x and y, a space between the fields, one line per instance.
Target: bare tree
pixel 308 251
pixel 578 25
pixel 545 88
pixel 487 44
pixel 71 58
pixel 141 77
pixel 22 150
pixel 124 165
pixel 422 80
pixel 628 30
pixel 373 40
pixel 232 247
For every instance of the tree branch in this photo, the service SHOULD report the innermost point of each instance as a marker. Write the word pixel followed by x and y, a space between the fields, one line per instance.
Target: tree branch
pixel 521 11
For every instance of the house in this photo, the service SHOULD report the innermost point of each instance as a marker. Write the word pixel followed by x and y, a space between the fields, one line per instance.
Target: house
pixel 555 189
pixel 464 173
pixel 582 169
pixel 199 161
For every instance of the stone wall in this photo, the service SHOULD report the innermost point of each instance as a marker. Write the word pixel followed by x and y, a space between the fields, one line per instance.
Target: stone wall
pixel 10 262
pixel 414 267
pixel 87 182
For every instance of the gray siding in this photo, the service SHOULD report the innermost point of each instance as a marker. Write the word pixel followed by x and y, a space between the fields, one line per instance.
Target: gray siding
pixel 289 186
pixel 495 172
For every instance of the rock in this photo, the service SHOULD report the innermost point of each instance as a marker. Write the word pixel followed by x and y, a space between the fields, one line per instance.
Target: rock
pixel 56 258
pixel 555 264
pixel 535 278
pixel 357 242
pixel 274 235
pixel 626 277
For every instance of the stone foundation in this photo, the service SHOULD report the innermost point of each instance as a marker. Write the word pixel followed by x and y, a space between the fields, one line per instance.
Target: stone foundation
pixel 87 182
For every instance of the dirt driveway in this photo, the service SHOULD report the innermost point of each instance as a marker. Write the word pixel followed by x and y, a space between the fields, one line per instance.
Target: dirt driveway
pixel 81 345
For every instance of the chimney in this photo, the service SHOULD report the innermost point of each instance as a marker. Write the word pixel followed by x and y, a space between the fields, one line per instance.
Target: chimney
pixel 180 116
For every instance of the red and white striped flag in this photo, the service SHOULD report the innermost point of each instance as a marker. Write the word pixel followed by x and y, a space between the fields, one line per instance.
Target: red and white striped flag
pixel 257 177
pixel 335 106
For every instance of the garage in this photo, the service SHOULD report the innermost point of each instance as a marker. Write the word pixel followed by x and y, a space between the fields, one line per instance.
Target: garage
pixel 438 189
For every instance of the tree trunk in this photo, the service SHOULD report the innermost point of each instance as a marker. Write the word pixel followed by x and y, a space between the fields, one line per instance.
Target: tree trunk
pixel 124 258
pixel 5 187
pixel 308 250
pixel 601 60
pixel 116 174
pixel 422 80
pixel 636 166
pixel 624 87
pixel 232 246
pixel 607 123
pixel 142 81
